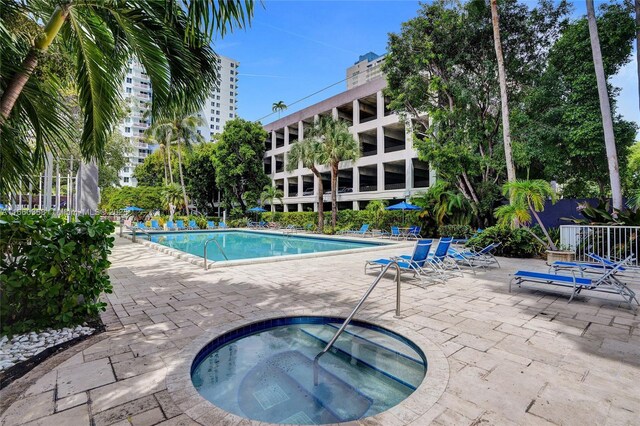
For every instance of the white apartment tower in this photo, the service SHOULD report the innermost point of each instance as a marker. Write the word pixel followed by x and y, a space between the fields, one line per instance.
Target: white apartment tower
pixel 218 108
pixel 365 70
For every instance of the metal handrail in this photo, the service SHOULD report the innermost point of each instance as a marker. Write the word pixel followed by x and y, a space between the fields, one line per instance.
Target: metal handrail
pixel 219 248
pixel 346 322
pixel 133 230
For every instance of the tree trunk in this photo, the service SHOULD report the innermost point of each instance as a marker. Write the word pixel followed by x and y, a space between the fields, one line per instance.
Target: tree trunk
pixel 320 199
pixel 184 190
pixel 552 246
pixel 638 43
pixel 334 194
pixel 169 162
pixel 164 167
pixel 605 109
pixel 506 130
pixel 17 83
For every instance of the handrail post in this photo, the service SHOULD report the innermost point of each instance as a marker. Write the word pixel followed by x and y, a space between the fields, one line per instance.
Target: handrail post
pixel 133 237
pixel 206 243
pixel 346 322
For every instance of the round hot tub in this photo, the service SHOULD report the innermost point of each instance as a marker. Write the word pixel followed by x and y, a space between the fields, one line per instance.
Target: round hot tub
pixel 265 371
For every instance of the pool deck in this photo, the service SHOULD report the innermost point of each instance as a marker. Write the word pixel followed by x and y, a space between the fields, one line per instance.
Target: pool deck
pixel 521 358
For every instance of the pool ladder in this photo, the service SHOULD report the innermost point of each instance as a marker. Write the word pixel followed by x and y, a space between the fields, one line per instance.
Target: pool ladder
pixel 346 322
pixel 219 248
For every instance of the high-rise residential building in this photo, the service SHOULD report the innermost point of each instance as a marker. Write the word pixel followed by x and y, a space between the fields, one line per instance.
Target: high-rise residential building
pixel 388 168
pixel 219 107
pixel 365 70
pixel 222 105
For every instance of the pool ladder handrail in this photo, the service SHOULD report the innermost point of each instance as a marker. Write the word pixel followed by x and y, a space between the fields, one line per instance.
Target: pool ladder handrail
pixel 135 229
pixel 346 322
pixel 206 243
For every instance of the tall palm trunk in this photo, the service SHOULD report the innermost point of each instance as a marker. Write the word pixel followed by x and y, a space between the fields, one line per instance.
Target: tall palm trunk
pixel 320 199
pixel 638 43
pixel 502 75
pixel 184 190
pixel 42 43
pixel 164 166
pixel 169 161
pixel 605 109
pixel 334 194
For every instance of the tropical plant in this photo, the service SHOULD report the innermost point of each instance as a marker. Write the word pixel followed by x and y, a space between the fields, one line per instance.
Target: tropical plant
pixel 170 40
pixel 518 242
pixel 336 144
pixel 279 107
pixel 602 215
pixel 605 108
pixel 377 209
pixel 238 160
pixel 443 204
pixel 172 195
pixel 527 198
pixel 200 176
pixel 308 152
pixel 183 132
pixel 146 197
pixel 269 194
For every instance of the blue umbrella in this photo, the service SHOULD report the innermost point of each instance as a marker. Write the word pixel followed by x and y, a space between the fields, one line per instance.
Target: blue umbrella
pixel 132 209
pixel 2 206
pixel 257 210
pixel 403 206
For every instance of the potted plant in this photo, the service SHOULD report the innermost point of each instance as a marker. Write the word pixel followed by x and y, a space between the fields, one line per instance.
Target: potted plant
pixel 561 253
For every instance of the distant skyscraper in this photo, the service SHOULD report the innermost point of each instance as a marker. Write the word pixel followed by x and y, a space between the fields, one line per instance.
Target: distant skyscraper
pixel 219 107
pixel 365 70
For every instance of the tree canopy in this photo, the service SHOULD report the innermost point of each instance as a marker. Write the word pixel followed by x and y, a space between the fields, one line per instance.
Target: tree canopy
pixel 238 162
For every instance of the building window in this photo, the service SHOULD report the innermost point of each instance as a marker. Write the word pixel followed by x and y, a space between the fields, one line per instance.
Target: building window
pixel 126 170
pixel 230 115
pixel 128 89
pixel 231 79
pixel 211 126
pixel 128 79
pixel 217 127
pixel 218 97
pixel 211 103
pixel 126 179
pixel 231 72
pixel 230 107
pixel 218 104
pixel 127 129
pixel 230 93
pixel 217 112
pixel 212 111
pixel 217 120
pixel 231 100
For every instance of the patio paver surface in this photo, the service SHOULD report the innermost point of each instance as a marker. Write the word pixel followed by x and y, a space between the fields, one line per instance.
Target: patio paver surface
pixel 514 358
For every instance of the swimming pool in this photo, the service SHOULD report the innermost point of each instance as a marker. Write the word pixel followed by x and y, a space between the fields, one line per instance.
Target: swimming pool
pixel 265 371
pixel 239 245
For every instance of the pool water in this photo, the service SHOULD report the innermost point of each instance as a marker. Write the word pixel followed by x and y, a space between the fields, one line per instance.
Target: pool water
pixel 248 245
pixel 267 375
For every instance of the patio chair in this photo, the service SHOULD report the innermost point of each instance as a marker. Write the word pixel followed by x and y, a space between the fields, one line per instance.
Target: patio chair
pixel 395 233
pixel 155 225
pixel 193 225
pixel 142 226
pixel 483 257
pixel 417 264
pixel 414 232
pixel 362 231
pixel 180 225
pixel 464 240
pixel 600 265
pixel 439 258
pixel 171 226
pixel 309 227
pixel 222 225
pixel 605 283
pixel 211 224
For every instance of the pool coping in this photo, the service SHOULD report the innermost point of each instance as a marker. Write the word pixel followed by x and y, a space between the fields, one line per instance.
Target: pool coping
pixel 211 264
pixel 185 395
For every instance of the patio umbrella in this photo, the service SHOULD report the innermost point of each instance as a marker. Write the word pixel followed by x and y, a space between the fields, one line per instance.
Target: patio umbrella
pixel 403 206
pixel 132 209
pixel 257 210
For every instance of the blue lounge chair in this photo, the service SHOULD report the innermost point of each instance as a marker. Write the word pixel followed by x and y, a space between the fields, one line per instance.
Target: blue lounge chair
pixel 414 232
pixel 180 225
pixel 395 233
pixel 362 231
pixel 464 240
pixel 171 226
pixel 155 225
pixel 482 258
pixel 211 224
pixel 222 225
pixel 142 226
pixel 439 258
pixel 604 283
pixel 193 225
pixel 600 266
pixel 416 264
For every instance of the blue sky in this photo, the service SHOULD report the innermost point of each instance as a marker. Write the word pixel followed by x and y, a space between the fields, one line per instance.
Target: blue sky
pixel 295 48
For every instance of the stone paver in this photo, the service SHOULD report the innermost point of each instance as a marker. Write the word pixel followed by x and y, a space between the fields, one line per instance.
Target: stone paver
pixel 516 358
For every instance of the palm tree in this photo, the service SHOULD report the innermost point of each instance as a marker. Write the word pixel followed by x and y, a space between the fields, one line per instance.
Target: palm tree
pixel 527 197
pixel 178 130
pixel 504 99
pixel 170 40
pixel 172 195
pixel 278 107
pixel 308 152
pixel 269 194
pixel 605 110
pixel 337 144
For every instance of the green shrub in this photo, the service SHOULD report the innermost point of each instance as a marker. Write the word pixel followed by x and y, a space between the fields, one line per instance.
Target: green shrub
pixel 455 231
pixel 515 242
pixel 145 197
pixel 52 272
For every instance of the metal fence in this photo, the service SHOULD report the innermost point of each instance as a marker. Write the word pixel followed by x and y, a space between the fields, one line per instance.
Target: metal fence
pixel 613 242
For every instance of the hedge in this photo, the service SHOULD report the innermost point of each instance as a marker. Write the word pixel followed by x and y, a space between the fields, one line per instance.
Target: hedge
pixel 52 272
